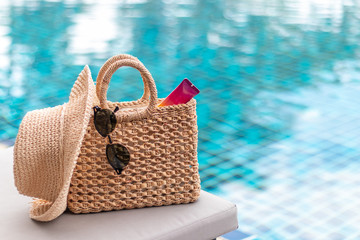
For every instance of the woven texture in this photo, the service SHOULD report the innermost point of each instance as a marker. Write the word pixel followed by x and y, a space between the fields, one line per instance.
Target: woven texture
pixel 47 146
pixel 163 168
pixel 46 151
pixel 162 142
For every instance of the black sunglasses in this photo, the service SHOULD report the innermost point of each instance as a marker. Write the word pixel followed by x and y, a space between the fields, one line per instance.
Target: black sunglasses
pixel 105 122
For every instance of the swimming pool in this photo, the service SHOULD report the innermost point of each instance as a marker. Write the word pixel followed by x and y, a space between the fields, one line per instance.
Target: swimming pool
pixel 278 109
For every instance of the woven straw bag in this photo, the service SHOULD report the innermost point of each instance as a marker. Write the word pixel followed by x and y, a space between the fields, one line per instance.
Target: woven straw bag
pixel 162 144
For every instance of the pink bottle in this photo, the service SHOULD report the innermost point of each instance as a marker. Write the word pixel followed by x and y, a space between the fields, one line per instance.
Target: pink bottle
pixel 182 94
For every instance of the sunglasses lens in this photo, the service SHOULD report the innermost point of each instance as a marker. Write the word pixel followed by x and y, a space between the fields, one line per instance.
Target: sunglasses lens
pixel 118 156
pixel 105 121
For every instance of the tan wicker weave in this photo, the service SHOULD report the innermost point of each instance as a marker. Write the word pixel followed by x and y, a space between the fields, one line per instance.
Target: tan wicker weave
pixel 162 142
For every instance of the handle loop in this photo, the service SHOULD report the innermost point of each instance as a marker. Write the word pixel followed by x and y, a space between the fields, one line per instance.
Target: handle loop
pixel 148 81
pixel 105 68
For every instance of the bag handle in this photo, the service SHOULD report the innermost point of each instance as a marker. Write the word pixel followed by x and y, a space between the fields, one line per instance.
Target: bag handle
pixel 106 66
pixel 148 81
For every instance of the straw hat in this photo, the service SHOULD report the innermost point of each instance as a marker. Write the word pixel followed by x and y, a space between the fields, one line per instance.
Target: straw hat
pixel 47 147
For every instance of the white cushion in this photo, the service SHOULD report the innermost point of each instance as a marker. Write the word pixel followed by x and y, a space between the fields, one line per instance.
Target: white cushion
pixel 207 218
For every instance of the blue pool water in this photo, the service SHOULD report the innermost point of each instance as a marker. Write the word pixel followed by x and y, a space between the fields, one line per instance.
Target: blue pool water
pixel 278 114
